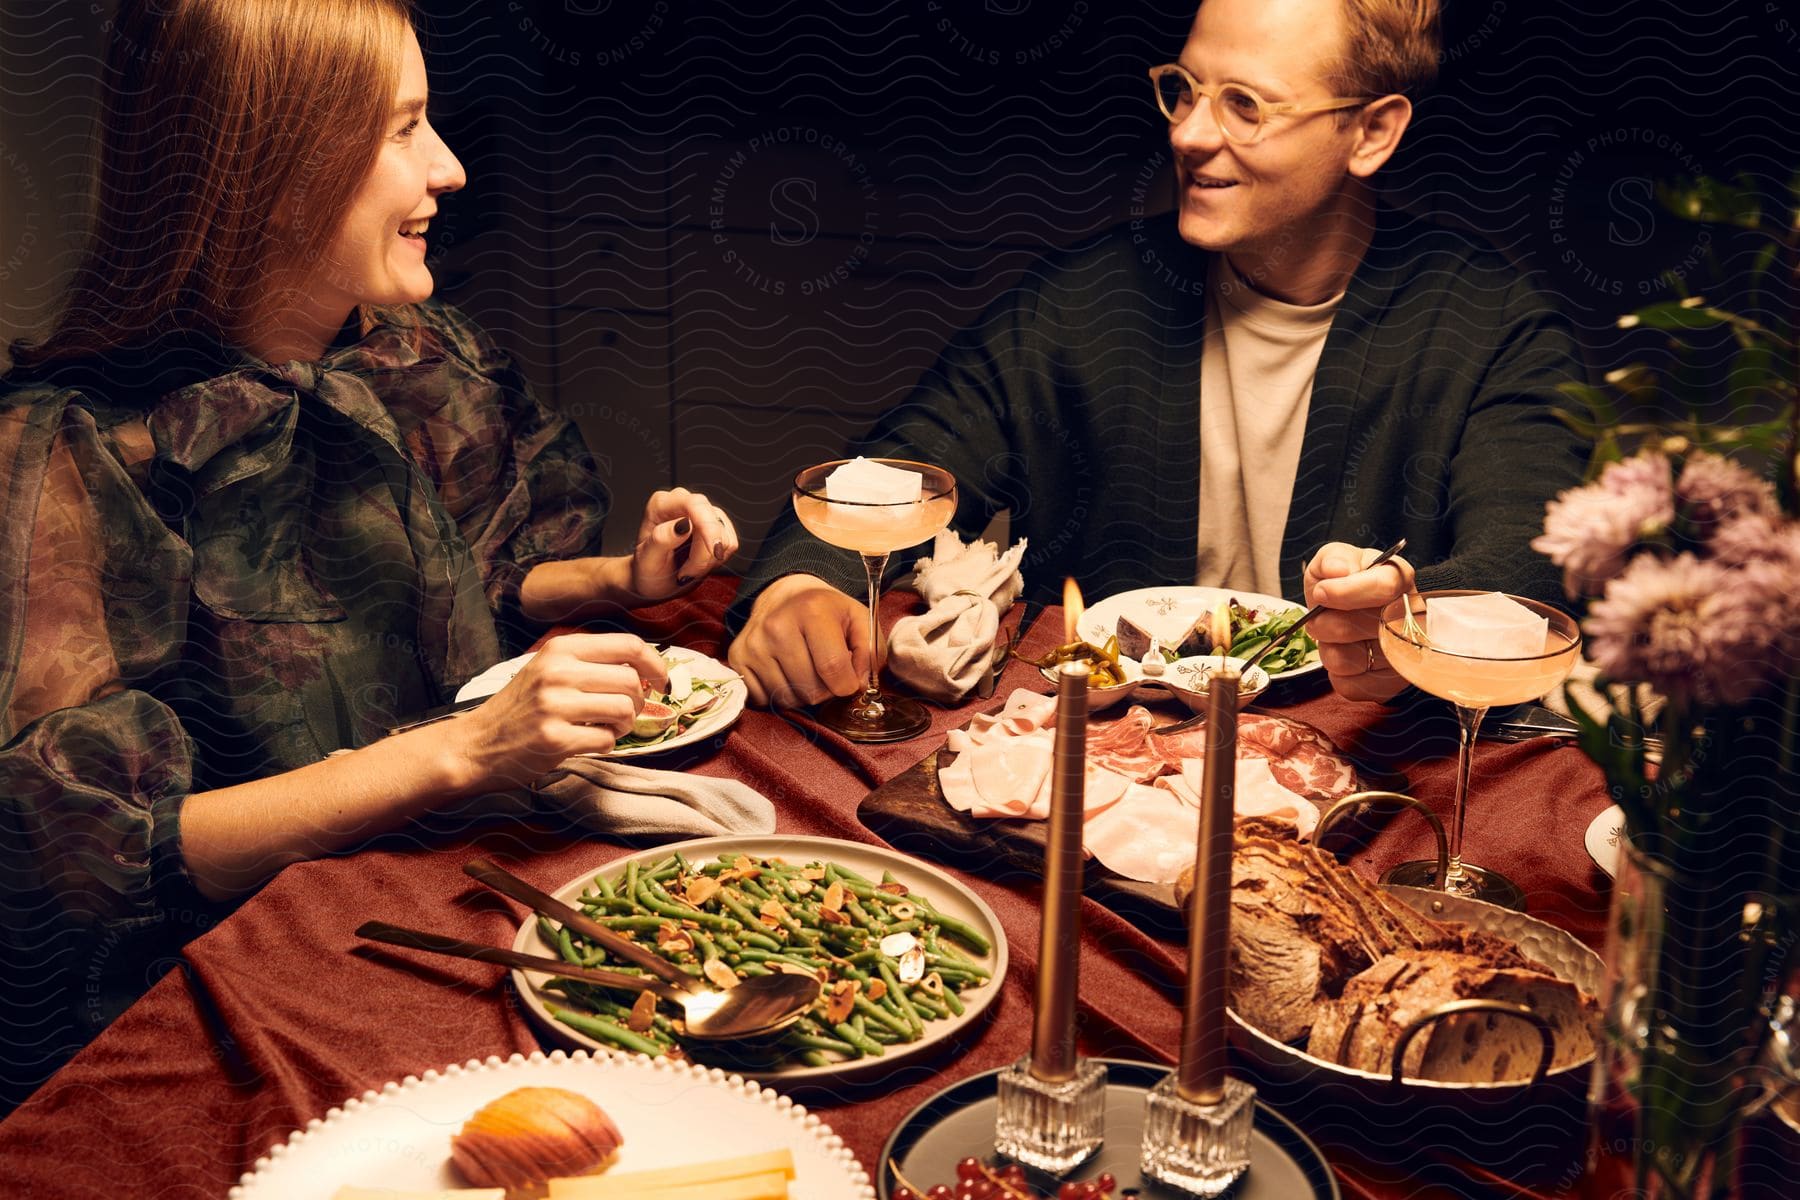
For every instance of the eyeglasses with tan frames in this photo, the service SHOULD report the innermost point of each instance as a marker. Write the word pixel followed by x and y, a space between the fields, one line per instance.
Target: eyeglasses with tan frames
pixel 1243 116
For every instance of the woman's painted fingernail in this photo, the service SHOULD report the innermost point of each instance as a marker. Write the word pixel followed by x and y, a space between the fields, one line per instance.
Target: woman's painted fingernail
pixel 719 551
pixel 682 527
pixel 683 580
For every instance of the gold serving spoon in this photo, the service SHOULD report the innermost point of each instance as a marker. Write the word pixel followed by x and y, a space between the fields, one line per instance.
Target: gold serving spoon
pixel 758 1005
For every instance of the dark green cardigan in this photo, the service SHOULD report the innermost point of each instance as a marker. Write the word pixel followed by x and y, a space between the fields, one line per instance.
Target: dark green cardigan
pixel 1074 402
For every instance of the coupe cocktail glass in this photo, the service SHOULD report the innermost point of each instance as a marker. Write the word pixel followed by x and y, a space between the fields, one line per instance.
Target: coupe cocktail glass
pixel 1473 683
pixel 875 530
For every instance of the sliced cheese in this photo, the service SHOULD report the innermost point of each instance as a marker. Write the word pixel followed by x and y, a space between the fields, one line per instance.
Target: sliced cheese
pixel 771 1185
pixel 769 1170
pixel 361 1193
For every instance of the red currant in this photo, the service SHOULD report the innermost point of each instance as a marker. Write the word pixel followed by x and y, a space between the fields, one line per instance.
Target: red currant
pixel 905 1193
pixel 1013 1173
pixel 1107 1182
pixel 982 1189
pixel 940 1191
pixel 1070 1191
pixel 969 1168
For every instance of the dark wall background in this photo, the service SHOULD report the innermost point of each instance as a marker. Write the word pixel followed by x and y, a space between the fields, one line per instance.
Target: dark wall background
pixel 723 236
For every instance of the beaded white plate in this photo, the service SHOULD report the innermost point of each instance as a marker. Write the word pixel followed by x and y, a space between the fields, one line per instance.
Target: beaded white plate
pixel 669 1113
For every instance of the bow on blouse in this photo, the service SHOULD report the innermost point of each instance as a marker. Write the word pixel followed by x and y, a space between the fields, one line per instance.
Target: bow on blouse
pixel 230 478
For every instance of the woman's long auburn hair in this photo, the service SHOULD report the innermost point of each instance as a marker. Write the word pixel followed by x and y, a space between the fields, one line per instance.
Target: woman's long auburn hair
pixel 234 135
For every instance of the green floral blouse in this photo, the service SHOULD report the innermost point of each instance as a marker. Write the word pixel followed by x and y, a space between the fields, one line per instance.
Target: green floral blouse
pixel 214 569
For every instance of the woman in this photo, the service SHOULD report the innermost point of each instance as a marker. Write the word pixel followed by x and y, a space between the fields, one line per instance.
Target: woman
pixel 265 500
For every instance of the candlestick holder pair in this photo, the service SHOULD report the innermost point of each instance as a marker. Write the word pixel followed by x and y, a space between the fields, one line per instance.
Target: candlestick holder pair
pixel 1052 1103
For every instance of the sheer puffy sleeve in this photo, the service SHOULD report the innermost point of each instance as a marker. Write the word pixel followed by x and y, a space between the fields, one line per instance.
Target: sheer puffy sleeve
pixel 516 477
pixel 93 607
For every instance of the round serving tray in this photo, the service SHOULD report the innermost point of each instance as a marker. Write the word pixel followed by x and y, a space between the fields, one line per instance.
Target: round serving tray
pixel 959 1121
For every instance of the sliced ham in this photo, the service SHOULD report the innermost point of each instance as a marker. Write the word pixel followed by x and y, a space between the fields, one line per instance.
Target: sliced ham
pixel 1145 835
pixel 1009 776
pixel 1025 712
pixel 1259 794
pixel 1000 778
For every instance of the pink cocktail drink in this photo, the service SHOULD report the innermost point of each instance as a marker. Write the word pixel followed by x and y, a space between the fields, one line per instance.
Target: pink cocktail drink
pixel 1474 681
pixel 874 507
pixel 874 529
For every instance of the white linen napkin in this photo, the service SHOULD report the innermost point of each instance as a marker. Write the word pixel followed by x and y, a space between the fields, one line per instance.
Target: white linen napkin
pixel 946 650
pixel 623 800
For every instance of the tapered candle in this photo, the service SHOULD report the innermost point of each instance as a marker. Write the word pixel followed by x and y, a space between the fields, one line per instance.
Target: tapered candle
pixel 1200 1077
pixel 1059 943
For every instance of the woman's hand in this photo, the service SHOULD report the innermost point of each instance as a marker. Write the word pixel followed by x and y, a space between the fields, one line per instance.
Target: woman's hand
pixel 682 539
pixel 579 695
pixel 1348 643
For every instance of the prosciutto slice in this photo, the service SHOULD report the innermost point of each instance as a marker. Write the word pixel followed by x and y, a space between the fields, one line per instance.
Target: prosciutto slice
pixel 1302 759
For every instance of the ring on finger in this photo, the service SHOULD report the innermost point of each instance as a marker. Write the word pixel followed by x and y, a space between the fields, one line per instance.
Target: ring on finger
pixel 1369 662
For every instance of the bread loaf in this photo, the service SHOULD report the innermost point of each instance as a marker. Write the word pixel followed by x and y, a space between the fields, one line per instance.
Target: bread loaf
pixel 1321 957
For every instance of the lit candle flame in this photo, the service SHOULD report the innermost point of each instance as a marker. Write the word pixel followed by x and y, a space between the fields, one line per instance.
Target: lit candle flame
pixel 1072 610
pixel 1220 629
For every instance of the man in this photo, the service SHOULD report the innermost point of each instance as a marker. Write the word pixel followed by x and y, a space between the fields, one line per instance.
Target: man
pixel 1256 392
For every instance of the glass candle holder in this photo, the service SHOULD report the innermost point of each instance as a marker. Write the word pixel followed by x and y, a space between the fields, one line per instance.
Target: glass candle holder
pixel 1053 1125
pixel 1197 1147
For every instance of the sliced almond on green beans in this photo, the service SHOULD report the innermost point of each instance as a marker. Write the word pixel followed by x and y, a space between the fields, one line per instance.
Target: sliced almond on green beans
pixel 746 869
pixel 834 898
pixel 831 916
pixel 801 886
pixel 702 889
pixel 813 873
pixel 773 912
pixel 877 988
pixel 720 973
pixel 673 939
pixel 912 965
pixel 841 1002
pixel 892 888
pixel 894 945
pixel 643 1013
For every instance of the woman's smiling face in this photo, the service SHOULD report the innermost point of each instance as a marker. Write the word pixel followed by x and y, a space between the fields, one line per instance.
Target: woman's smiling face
pixel 378 253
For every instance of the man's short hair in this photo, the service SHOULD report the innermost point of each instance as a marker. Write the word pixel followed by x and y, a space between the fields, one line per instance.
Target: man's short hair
pixel 1390 46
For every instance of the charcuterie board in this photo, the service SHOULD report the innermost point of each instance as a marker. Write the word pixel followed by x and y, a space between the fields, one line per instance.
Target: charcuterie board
pixel 910 812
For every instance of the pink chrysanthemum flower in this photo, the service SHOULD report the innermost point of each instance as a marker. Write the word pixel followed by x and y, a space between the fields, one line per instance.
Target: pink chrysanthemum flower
pixel 1713 491
pixel 1756 537
pixel 1694 629
pixel 1589 531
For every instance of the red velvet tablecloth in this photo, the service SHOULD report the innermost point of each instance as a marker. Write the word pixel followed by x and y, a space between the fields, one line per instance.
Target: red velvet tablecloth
pixel 275 1015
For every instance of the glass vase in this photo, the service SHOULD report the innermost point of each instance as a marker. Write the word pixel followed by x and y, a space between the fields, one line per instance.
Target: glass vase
pixel 1667 1096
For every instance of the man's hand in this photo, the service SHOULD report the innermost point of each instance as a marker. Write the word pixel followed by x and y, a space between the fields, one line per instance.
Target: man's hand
pixel 1348 645
pixel 805 642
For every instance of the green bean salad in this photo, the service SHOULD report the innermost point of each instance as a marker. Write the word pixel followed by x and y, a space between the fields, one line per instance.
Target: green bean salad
pixel 890 961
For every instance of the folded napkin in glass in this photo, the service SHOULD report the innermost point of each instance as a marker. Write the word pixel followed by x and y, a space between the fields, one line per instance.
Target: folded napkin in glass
pixel 944 652
pixel 622 800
